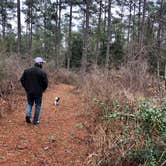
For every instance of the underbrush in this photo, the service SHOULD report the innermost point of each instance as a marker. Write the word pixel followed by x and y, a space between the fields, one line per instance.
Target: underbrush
pixel 12 68
pixel 63 76
pixel 130 121
pixel 137 134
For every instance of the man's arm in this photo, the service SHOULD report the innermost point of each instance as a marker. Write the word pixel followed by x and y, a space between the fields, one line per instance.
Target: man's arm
pixel 22 79
pixel 45 81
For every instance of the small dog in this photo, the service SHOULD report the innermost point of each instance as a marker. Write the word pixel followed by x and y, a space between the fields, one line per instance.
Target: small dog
pixel 56 100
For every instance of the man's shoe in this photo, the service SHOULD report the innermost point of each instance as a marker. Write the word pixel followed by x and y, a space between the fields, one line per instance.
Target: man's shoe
pixel 35 123
pixel 28 119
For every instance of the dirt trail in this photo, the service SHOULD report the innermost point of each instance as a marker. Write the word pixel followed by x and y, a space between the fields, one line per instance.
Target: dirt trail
pixel 59 139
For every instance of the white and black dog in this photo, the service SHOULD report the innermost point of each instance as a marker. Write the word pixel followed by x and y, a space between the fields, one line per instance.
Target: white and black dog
pixel 56 100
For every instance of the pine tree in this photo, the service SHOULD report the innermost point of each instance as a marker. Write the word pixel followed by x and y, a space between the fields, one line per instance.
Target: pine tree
pixel 18 28
pixel 85 37
pixel 7 10
pixel 108 34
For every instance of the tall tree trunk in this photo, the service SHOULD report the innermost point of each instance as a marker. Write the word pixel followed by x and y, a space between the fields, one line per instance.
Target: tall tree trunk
pixel 159 36
pixel 98 34
pixel 108 35
pixel 139 20
pixel 134 30
pixel 45 44
pixel 105 15
pixel 121 18
pixel 58 34
pixel 30 28
pixel 105 22
pixel 85 38
pixel 4 19
pixel 69 36
pixel 129 26
pixel 59 31
pixel 30 40
pixel 18 28
pixel 158 73
pixel 159 27
pixel 143 24
pixel 27 37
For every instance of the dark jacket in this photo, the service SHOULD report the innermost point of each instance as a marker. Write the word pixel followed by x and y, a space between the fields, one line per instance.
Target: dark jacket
pixel 34 80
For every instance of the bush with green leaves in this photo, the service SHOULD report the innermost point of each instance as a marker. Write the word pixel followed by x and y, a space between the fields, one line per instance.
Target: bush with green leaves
pixel 146 123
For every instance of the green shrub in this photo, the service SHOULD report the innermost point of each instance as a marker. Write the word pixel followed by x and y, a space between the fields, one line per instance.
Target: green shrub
pixel 152 119
pixel 147 125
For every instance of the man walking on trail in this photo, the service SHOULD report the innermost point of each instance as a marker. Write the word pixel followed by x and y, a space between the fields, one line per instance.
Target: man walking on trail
pixel 35 82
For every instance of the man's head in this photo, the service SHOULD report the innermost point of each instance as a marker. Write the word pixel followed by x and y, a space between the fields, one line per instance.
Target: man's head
pixel 39 61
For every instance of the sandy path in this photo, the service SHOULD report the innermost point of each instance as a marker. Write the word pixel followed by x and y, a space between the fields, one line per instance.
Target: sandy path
pixel 59 139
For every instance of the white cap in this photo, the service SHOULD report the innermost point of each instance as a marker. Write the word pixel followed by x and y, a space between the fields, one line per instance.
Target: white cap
pixel 39 60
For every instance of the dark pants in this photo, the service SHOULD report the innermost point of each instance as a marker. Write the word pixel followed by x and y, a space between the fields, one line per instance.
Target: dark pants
pixel 31 99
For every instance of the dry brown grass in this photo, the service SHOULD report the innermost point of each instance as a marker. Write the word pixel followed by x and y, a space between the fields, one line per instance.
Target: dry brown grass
pixel 14 66
pixel 125 86
pixel 62 76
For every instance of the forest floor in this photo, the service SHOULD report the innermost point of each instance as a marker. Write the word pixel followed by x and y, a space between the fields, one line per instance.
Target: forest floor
pixel 59 140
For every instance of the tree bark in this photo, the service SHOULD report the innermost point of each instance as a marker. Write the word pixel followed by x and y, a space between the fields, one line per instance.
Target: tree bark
pixel 159 38
pixel 108 35
pixel 45 43
pixel 134 30
pixel 129 25
pixel 98 34
pixel 139 20
pixel 143 24
pixel 159 27
pixel 58 34
pixel 105 15
pixel 4 19
pixel 18 28
pixel 69 36
pixel 85 39
pixel 30 28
